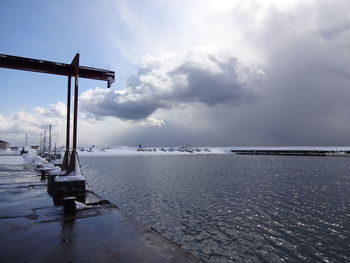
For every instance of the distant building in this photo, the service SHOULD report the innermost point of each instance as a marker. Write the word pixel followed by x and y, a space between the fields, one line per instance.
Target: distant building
pixel 35 147
pixel 14 148
pixel 4 145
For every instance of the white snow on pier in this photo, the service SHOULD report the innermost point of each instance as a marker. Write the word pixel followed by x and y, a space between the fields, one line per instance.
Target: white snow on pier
pixel 11 160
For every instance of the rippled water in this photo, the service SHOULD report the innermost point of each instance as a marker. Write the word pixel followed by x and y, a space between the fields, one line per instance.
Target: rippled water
pixel 226 208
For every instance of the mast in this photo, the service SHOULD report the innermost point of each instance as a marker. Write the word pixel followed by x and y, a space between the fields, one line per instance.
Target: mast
pixel 50 139
pixel 44 148
pixel 40 144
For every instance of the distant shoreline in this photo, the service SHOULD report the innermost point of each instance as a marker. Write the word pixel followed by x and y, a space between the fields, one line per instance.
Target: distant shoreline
pixel 283 150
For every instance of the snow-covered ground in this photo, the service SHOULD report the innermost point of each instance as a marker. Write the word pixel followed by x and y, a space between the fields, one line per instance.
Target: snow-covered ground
pixel 125 150
pixel 14 158
pixel 11 160
pixel 33 159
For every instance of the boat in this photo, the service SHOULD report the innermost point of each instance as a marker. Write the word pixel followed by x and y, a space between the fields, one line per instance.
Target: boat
pixel 180 149
pixel 185 149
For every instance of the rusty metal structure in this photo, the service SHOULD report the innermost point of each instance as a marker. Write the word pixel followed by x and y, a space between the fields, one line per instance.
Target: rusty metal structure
pixel 70 70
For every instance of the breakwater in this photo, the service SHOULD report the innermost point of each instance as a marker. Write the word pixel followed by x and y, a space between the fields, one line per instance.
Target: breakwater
pixel 291 152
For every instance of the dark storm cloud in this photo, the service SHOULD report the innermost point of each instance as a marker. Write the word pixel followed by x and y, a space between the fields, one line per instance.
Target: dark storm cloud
pixel 218 87
pixel 301 97
pixel 308 79
pixel 199 78
pixel 119 105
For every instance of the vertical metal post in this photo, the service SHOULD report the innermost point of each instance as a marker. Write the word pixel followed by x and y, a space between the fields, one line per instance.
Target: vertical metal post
pixel 40 143
pixel 75 120
pixel 68 112
pixel 44 142
pixel 75 114
pixel 66 154
pixel 50 134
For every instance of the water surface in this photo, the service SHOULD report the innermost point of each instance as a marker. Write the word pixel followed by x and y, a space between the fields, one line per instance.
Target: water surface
pixel 227 208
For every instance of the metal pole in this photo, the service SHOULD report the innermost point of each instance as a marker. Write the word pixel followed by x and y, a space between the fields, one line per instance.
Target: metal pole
pixel 68 113
pixel 40 143
pixel 50 140
pixel 66 154
pixel 75 120
pixel 75 114
pixel 44 141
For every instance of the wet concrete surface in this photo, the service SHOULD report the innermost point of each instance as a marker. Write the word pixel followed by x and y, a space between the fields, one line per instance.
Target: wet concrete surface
pixel 32 229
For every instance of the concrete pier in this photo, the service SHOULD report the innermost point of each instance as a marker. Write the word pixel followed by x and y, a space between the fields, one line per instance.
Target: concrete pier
pixel 34 230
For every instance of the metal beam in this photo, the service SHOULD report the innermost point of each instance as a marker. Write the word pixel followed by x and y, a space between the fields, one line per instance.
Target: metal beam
pixel 50 67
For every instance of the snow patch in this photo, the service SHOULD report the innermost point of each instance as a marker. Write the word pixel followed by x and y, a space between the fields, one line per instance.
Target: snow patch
pixel 69 178
pixel 80 206
pixel 130 151
pixel 11 160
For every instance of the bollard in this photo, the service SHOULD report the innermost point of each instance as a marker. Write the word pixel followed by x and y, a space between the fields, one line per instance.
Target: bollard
pixel 69 204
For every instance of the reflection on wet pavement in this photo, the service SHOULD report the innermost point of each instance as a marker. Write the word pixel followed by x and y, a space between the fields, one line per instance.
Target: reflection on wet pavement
pixel 34 230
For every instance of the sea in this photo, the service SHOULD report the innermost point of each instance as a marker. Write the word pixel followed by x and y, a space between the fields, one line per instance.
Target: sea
pixel 234 208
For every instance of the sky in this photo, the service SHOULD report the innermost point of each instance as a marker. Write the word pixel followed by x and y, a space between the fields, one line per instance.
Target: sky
pixel 198 72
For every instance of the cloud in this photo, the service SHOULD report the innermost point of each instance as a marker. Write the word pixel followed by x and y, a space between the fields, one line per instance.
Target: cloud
pixel 13 128
pixel 3 123
pixel 169 81
pixel 249 73
pixel 257 73
pixel 293 91
pixel 58 109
